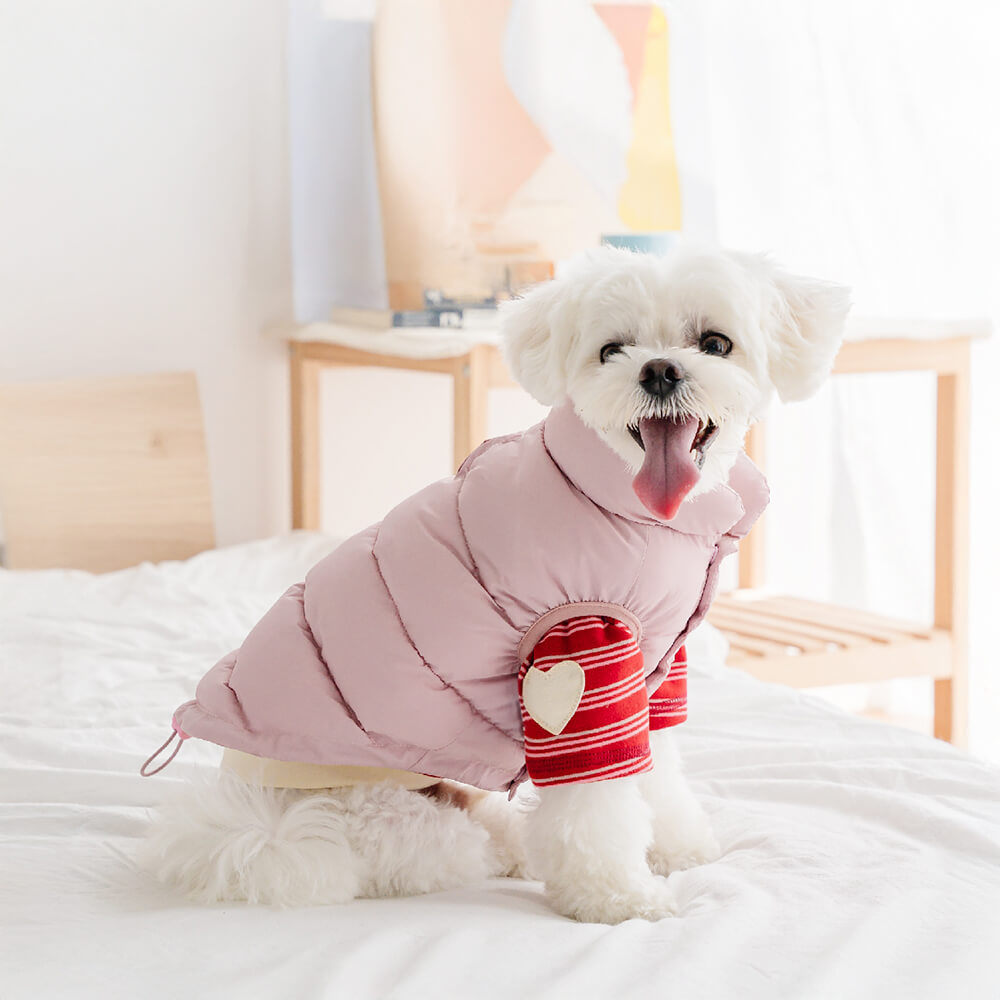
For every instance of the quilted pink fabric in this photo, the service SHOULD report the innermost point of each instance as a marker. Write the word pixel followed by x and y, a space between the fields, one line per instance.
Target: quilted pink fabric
pixel 402 648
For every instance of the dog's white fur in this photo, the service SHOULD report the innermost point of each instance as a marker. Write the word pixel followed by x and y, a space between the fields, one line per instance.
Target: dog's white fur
pixel 602 847
pixel 785 331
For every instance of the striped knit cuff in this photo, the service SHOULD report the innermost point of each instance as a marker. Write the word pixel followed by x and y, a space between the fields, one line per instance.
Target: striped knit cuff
pixel 668 703
pixel 607 732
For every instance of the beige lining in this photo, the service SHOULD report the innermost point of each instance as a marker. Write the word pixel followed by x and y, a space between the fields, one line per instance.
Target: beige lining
pixel 291 774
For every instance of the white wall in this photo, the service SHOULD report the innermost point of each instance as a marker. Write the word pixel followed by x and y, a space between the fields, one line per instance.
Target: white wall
pixel 144 226
pixel 144 216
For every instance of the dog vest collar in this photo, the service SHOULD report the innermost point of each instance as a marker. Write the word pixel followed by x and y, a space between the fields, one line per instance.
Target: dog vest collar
pixel 599 473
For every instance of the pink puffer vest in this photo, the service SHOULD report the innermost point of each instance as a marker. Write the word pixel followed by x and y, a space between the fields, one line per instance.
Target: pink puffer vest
pixel 402 647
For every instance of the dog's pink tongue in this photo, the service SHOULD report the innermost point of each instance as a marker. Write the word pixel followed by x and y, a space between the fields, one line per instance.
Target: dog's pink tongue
pixel 668 471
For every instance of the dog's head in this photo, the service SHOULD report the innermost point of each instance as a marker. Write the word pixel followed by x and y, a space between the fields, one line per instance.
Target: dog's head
pixel 671 359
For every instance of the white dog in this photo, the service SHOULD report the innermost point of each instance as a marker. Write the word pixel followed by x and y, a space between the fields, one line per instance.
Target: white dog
pixel 704 337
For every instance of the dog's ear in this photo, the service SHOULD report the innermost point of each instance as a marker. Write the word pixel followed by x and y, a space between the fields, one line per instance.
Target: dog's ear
pixel 807 326
pixel 526 328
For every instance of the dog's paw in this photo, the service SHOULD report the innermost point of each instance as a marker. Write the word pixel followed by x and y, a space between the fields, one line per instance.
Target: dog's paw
pixel 649 899
pixel 676 850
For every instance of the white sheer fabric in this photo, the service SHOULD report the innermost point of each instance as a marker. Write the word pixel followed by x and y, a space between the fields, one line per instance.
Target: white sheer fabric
pixel 856 141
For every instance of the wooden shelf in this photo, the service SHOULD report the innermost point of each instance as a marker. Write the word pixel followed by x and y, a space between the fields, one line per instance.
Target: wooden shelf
pixel 807 644
pixel 803 643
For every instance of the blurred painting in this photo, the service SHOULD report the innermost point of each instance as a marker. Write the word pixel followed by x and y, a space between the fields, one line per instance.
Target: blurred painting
pixel 509 134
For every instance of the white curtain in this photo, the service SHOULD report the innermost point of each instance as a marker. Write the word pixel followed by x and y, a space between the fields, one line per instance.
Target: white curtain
pixel 858 141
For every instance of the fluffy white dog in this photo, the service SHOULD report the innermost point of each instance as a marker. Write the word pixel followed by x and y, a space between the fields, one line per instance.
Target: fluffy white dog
pixel 703 337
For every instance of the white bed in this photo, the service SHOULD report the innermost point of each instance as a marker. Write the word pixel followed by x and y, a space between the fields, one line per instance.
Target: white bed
pixel 860 860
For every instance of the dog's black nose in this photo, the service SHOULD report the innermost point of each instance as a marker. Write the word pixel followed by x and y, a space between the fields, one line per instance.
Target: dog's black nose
pixel 659 377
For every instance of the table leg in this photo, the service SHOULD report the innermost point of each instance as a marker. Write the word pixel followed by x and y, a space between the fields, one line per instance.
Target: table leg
pixel 951 548
pixel 471 378
pixel 305 439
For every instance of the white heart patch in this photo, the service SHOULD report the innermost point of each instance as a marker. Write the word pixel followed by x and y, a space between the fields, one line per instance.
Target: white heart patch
pixel 552 696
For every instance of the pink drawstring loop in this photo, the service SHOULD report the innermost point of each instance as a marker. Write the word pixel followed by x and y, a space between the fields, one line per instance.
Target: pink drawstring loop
pixel 175 735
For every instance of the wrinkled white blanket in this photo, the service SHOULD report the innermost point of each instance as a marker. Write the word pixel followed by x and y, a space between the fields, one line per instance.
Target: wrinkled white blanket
pixel 860 861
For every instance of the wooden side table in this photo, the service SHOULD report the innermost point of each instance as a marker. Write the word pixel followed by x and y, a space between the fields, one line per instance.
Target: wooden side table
pixel 781 639
pixel 474 372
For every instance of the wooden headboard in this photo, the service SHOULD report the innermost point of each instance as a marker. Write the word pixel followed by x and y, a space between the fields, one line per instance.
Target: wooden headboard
pixel 99 474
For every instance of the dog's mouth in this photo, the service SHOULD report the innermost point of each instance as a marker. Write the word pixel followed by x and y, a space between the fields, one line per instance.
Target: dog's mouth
pixel 706 434
pixel 674 455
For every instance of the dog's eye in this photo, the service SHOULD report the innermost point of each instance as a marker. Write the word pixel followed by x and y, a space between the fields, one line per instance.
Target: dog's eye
pixel 715 343
pixel 609 350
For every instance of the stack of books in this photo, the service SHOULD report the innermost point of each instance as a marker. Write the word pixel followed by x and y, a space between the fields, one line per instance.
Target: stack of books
pixel 443 313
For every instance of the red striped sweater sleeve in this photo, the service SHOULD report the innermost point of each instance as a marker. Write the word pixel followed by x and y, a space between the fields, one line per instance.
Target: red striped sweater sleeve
pixel 668 703
pixel 607 736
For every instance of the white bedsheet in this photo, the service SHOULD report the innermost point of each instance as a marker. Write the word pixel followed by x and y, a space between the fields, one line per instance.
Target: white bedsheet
pixel 860 861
